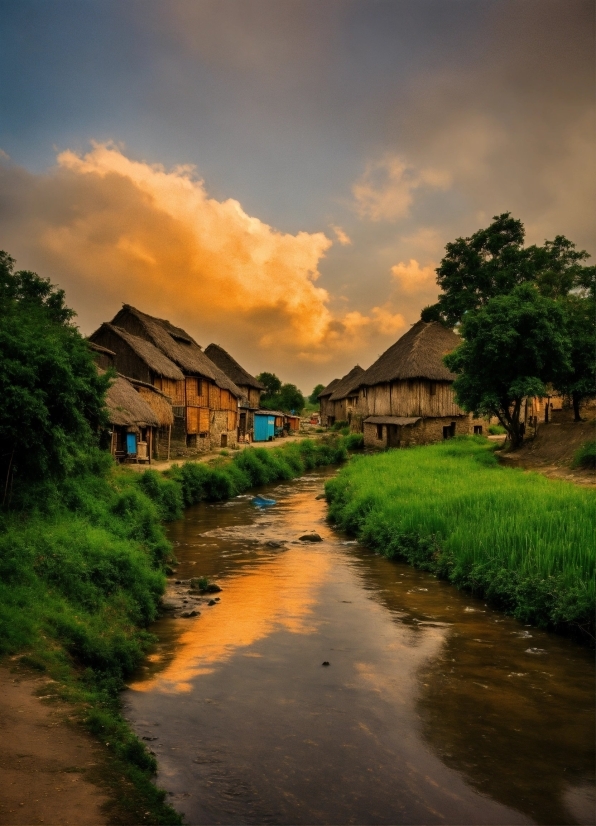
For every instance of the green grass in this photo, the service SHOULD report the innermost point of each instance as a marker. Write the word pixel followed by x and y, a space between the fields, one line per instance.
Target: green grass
pixel 585 457
pixel 524 542
pixel 496 430
pixel 82 571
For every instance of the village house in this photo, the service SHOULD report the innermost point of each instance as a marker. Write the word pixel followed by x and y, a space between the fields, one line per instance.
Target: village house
pixel 406 397
pixel 136 421
pixel 326 407
pixel 204 400
pixel 344 397
pixel 250 388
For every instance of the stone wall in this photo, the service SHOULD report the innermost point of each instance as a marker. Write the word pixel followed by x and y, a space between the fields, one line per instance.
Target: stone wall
pixel 424 432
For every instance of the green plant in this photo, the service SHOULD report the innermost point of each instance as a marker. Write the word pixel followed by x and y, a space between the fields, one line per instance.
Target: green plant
pixel 337 426
pixel 496 430
pixel 520 540
pixel 585 456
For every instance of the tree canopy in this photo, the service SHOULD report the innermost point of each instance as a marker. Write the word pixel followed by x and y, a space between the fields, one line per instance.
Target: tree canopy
pixel 526 315
pixel 271 381
pixel 313 398
pixel 51 394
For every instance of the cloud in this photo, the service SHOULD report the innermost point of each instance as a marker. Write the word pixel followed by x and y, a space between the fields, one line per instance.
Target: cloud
pixel 386 189
pixel 342 237
pixel 110 229
pixel 412 278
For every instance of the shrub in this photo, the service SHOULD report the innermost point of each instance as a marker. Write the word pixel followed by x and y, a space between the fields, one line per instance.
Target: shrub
pixel 496 430
pixel 585 457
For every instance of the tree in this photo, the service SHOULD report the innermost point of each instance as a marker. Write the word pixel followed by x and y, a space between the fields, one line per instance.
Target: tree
pixel 313 396
pixel 512 346
pixel 271 382
pixel 51 394
pixel 579 380
pixel 493 261
pixel 291 399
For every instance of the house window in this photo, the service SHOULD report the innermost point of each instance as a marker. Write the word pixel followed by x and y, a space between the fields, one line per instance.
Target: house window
pixel 364 392
pixel 477 430
pixel 449 431
pixel 379 431
pixel 191 440
pixel 433 388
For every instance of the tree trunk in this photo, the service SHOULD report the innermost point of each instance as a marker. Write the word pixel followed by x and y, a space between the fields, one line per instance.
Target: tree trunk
pixel 576 398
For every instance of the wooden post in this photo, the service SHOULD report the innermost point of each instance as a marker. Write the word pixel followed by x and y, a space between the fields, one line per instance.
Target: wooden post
pixel 150 445
pixel 169 441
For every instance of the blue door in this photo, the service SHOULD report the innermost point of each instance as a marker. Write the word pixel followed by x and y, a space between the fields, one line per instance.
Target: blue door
pixel 260 428
pixel 131 443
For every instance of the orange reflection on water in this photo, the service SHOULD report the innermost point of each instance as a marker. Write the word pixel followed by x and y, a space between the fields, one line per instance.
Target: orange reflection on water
pixel 274 595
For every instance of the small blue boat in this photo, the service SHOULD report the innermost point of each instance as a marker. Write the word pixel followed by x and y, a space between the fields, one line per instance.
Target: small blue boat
pixel 262 502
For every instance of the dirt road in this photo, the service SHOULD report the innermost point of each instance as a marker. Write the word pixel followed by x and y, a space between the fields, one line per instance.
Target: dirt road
pixel 44 760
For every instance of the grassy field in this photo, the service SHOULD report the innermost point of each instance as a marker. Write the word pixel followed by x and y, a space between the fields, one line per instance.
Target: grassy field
pixel 82 569
pixel 524 542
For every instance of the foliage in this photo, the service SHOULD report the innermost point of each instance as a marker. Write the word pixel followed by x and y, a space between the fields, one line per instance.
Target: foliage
pixel 512 346
pixel 578 380
pixel 313 396
pixel 337 426
pixel 520 540
pixel 51 395
pixel 289 399
pixel 585 456
pixel 81 575
pixel 496 430
pixel 493 261
pixel 271 382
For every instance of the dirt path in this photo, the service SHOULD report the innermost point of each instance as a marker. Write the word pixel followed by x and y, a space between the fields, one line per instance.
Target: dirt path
pixel 551 451
pixel 207 457
pixel 44 761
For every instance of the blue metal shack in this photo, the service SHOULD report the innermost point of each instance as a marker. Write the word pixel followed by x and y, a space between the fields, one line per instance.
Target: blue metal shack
pixel 264 427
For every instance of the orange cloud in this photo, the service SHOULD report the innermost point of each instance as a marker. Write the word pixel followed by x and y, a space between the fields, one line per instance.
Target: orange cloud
pixel 412 278
pixel 342 237
pixel 386 189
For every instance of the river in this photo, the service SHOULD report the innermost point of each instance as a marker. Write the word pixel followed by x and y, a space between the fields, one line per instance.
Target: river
pixel 433 708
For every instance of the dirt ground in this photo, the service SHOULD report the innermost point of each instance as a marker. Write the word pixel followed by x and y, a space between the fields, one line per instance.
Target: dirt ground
pixel 207 457
pixel 44 760
pixel 551 451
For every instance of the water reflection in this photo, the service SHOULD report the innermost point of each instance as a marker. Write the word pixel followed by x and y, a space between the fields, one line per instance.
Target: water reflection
pixel 422 717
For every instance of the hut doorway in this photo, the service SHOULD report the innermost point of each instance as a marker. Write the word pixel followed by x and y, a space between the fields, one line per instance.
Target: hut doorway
pixel 449 431
pixel 224 439
pixel 393 435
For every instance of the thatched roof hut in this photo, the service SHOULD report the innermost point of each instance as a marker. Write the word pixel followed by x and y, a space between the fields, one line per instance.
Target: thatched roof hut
pixel 327 391
pixel 418 354
pixel 348 384
pixel 157 401
pixel 176 344
pixel 126 408
pixel 222 359
pixel 145 350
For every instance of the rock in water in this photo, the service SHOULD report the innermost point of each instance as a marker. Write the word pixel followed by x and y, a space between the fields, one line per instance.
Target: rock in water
pixel 310 537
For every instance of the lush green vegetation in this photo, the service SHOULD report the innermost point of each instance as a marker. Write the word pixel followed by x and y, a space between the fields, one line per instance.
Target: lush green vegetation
pixel 81 576
pixel 586 456
pixel 496 430
pixel 526 317
pixel 524 542
pixel 278 396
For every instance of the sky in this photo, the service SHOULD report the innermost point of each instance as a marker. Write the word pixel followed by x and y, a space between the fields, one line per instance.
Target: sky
pixel 281 177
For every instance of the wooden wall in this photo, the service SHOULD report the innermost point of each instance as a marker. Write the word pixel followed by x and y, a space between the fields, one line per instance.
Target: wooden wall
pixel 409 398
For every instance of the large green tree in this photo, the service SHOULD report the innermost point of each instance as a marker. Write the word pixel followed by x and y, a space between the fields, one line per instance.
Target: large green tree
pixel 51 395
pixel 494 260
pixel 313 398
pixel 512 347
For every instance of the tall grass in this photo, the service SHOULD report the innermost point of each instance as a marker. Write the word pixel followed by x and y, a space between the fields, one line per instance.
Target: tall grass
pixel 518 539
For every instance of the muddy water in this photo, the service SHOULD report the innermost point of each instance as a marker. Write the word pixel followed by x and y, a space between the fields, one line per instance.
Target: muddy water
pixel 433 708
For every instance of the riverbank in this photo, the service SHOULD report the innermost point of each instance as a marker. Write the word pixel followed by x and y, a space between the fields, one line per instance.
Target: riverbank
pixel 523 542
pixel 82 573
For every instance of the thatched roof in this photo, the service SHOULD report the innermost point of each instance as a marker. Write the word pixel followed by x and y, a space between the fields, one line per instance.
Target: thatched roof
pixel 399 420
pixel 222 359
pixel 97 348
pixel 126 408
pixel 327 391
pixel 153 358
pixel 349 383
pixel 157 401
pixel 418 354
pixel 177 345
